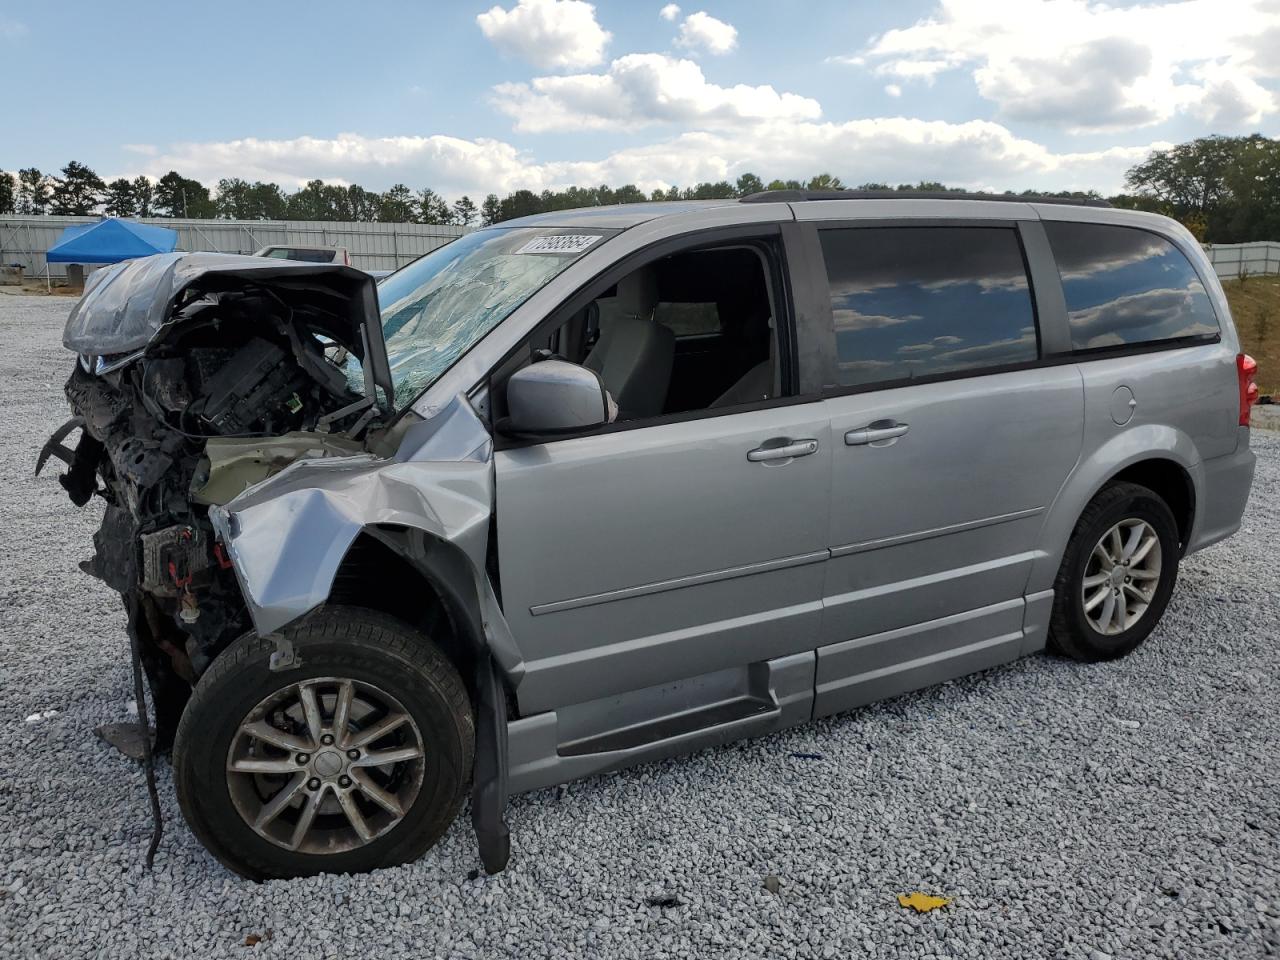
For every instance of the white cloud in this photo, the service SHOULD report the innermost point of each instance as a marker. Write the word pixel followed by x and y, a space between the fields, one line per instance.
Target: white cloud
pixel 893 90
pixel 550 34
pixel 669 12
pixel 639 89
pixel 976 154
pixel 702 31
pixel 1092 66
pixel 12 29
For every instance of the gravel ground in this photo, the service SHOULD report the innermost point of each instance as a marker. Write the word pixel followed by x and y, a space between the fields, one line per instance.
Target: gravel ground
pixel 1122 810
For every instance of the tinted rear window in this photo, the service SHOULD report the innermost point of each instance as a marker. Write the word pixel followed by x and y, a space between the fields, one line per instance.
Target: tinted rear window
pixel 1124 285
pixel 912 302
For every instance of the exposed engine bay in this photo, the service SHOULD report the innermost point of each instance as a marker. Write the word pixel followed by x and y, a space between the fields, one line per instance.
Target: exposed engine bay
pixel 197 376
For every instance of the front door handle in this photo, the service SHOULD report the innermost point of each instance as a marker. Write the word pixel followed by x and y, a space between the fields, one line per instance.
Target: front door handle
pixel 876 433
pixel 783 448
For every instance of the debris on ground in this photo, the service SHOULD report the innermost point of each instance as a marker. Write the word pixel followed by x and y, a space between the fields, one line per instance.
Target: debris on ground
pixel 922 902
pixel 663 901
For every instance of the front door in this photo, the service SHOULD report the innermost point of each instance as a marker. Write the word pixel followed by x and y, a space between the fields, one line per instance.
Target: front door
pixel 634 558
pixel 689 539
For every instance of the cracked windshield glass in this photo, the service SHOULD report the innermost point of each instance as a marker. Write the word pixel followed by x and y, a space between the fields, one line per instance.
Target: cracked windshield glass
pixel 438 307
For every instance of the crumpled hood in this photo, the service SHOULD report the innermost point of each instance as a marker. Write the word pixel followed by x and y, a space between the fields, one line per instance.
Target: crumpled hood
pixel 127 305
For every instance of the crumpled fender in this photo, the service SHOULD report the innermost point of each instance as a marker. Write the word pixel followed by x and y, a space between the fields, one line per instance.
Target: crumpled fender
pixel 287 536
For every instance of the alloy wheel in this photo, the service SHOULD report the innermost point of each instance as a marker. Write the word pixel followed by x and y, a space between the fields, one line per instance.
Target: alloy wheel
pixel 1121 576
pixel 325 765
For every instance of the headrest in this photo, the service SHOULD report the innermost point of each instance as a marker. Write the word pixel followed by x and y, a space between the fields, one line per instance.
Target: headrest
pixel 636 296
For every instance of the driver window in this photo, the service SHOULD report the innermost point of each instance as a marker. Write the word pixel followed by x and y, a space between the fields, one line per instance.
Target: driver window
pixel 694 330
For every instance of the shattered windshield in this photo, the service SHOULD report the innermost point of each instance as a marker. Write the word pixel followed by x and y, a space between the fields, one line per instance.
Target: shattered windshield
pixel 438 307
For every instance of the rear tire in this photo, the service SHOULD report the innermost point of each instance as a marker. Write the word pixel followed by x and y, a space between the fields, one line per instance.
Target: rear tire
pixel 1117 575
pixel 250 736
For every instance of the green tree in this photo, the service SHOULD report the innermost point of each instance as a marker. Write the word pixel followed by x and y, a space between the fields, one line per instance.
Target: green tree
pixel 1188 178
pixel 267 201
pixel 8 193
pixel 629 193
pixel 363 204
pixel 464 211
pixel 720 190
pixel 312 202
pixel 33 192
pixel 748 184
pixel 432 208
pixel 397 205
pixel 522 203
pixel 785 185
pixel 142 192
pixel 232 198
pixel 77 193
pixel 490 210
pixel 178 196
pixel 1253 212
pixel 825 181
pixel 1224 189
pixel 120 200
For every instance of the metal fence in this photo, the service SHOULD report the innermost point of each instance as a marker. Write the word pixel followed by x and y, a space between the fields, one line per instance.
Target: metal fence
pixel 1231 260
pixel 373 246
pixel 389 246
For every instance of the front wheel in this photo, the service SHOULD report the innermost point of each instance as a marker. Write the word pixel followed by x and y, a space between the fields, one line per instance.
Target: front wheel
pixel 357 758
pixel 1117 574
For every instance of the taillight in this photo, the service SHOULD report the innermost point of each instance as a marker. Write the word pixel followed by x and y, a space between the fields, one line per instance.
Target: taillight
pixel 1247 371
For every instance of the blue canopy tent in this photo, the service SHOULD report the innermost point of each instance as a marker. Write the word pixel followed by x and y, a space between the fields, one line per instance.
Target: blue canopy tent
pixel 110 241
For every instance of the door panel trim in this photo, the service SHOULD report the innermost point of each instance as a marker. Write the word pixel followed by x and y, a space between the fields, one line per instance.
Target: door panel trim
pixel 846 693
pixel 855 672
pixel 615 668
pixel 866 545
pixel 676 583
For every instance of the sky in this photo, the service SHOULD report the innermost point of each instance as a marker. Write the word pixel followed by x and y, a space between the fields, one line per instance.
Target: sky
pixel 480 97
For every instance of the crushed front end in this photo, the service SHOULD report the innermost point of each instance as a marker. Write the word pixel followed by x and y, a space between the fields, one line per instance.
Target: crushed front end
pixel 196 376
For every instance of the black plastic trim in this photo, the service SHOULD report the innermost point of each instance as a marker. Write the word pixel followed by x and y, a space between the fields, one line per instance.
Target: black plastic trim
pixel 1046 286
pixel 800 196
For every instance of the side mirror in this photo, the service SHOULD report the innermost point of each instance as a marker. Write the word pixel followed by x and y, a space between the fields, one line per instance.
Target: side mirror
pixel 555 397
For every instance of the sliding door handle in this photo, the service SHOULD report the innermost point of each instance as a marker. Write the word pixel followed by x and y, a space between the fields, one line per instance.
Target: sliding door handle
pixel 876 433
pixel 783 448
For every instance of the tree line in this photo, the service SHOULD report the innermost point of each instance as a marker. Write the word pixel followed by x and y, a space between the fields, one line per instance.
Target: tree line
pixel 1224 189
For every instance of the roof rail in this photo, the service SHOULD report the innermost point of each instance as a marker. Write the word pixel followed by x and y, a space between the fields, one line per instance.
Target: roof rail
pixel 796 196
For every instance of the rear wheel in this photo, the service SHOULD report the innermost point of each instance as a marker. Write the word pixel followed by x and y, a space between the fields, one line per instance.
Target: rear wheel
pixel 357 758
pixel 1117 574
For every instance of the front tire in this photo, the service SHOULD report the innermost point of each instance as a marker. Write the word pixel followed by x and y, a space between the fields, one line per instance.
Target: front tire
pixel 1117 574
pixel 357 758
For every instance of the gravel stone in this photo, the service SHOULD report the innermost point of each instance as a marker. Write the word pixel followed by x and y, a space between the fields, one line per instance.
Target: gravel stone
pixel 1071 811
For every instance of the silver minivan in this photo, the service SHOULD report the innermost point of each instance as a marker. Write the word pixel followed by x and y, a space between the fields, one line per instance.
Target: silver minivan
pixel 601 486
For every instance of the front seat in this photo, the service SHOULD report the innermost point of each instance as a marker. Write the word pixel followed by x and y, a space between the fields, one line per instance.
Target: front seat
pixel 754 338
pixel 634 353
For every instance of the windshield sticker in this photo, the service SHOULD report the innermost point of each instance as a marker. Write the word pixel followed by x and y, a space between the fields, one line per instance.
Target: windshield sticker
pixel 567 243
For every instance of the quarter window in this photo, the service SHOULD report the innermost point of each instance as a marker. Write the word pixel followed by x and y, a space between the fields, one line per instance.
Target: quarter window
pixel 911 302
pixel 1124 285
